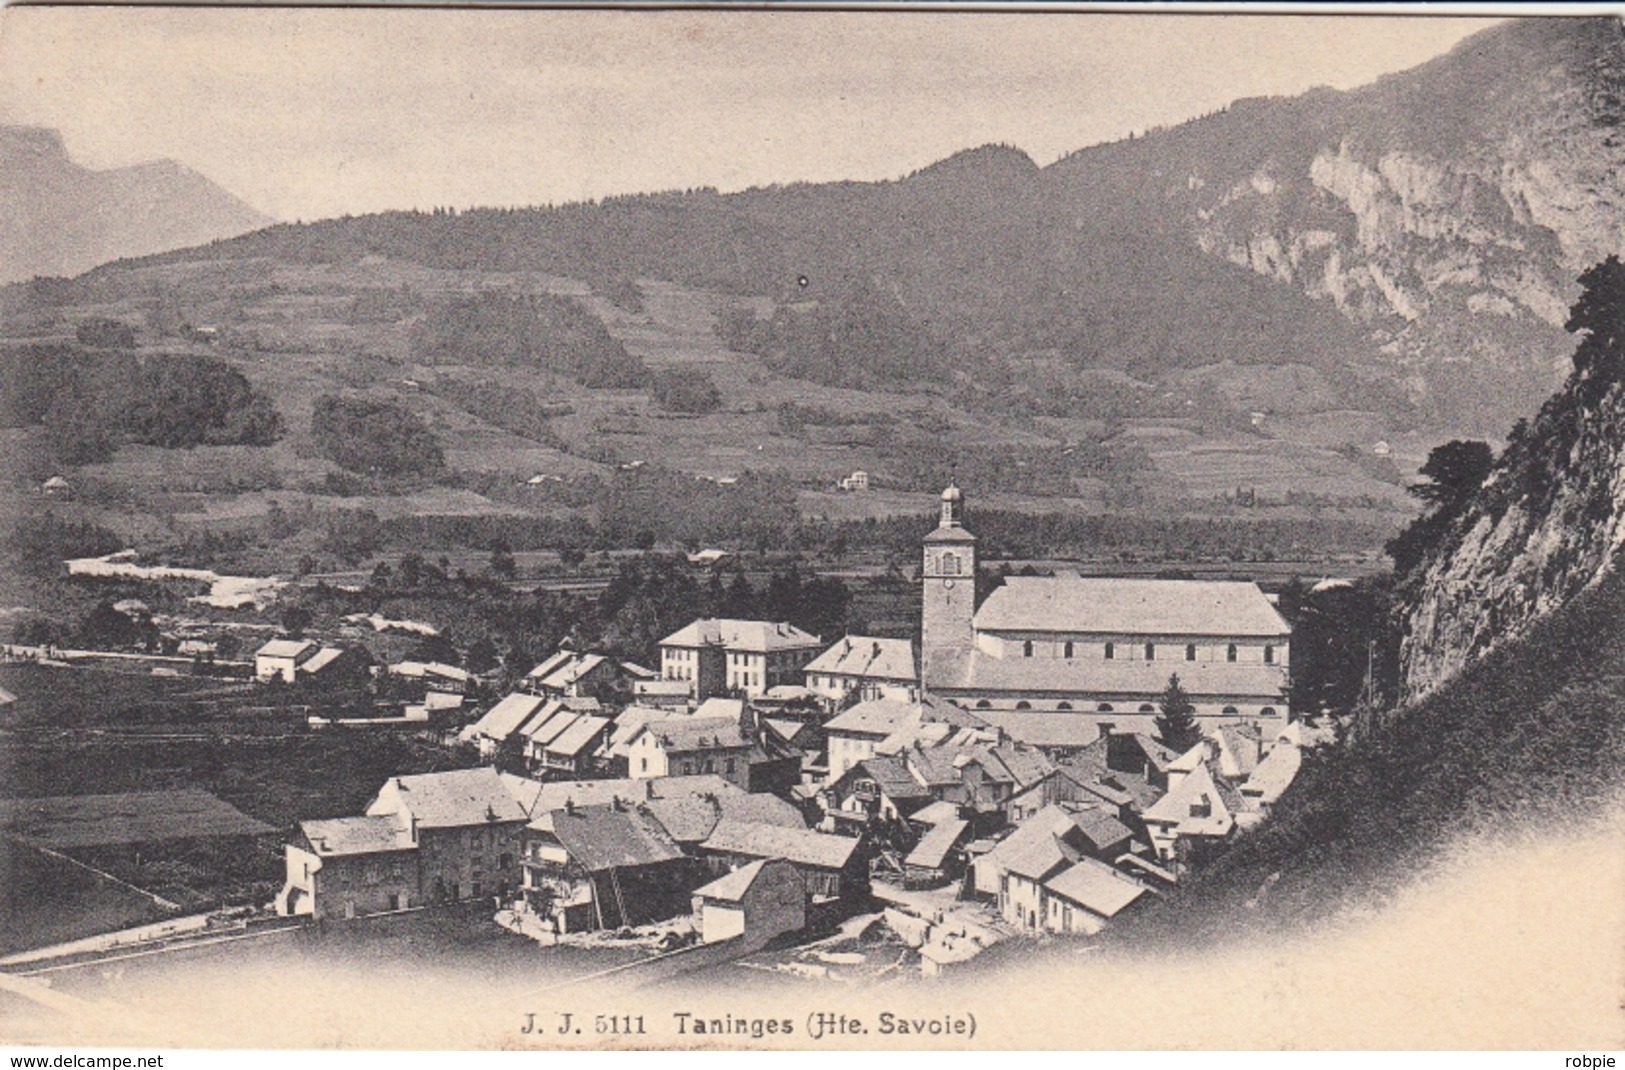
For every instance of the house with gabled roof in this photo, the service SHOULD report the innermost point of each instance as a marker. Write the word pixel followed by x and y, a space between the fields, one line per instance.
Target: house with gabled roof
pixel 938 857
pixel 501 722
pixel 1083 897
pixel 1024 870
pixel 867 666
pixel 832 867
pixel 879 789
pixel 1197 815
pixel 280 659
pixel 889 726
pixel 572 674
pixel 754 903
pixel 1269 780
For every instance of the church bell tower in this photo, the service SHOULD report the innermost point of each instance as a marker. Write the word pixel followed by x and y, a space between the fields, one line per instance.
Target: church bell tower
pixel 949 578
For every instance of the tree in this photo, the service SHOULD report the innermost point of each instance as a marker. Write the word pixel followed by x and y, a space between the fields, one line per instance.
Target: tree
pixel 377 437
pixel 687 390
pixel 1176 719
pixel 1599 314
pixel 503 565
pixel 1453 472
pixel 482 656
pixel 295 619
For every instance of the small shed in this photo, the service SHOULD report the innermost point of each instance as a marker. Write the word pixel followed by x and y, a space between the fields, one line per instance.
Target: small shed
pixel 756 902
pixel 937 859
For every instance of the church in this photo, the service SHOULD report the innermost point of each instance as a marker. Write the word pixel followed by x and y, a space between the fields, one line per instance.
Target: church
pixel 1066 643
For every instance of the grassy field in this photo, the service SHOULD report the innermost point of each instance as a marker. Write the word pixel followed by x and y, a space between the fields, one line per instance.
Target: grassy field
pixel 47 901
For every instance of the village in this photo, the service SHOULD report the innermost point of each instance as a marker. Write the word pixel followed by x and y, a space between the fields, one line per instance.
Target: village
pixel 1019 773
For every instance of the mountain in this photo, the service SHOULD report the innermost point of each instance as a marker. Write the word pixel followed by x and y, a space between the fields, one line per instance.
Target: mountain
pixel 58 218
pixel 1406 248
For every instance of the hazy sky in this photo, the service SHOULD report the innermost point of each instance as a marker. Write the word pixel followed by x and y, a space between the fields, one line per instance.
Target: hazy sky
pixel 310 113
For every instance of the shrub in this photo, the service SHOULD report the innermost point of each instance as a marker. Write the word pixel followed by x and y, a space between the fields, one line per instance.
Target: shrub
pixel 686 390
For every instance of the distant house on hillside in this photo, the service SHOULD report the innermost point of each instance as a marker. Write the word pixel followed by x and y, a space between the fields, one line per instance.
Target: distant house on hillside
pixel 280 659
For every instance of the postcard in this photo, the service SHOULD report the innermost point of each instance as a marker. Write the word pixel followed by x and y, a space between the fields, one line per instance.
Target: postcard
pixel 547 529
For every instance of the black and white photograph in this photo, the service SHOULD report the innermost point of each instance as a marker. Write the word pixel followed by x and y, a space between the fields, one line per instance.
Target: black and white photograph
pixel 864 529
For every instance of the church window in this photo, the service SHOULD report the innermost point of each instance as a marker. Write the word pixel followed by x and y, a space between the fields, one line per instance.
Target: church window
pixel 984 704
pixel 1104 707
pixel 1229 711
pixel 1146 707
pixel 1190 651
pixel 1067 650
pixel 1063 705
pixel 1230 654
pixel 1111 651
pixel 950 564
pixel 1024 705
pixel 1269 655
pixel 1267 711
pixel 1150 652
pixel 1027 649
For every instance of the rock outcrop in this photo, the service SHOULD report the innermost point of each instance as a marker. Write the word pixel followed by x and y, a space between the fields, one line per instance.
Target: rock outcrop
pixel 1548 521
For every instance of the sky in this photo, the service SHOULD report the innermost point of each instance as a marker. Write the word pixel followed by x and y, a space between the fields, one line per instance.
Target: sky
pixel 309 113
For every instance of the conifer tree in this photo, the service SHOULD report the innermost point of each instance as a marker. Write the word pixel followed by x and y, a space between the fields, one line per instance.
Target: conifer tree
pixel 1176 721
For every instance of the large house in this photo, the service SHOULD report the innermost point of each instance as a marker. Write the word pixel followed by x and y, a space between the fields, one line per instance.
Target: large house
pixel 468 826
pixel 595 867
pixel 350 866
pixel 869 667
pixel 1095 646
pixel 719 657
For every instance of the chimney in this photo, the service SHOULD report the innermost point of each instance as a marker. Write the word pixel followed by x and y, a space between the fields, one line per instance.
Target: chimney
pixel 570 806
pixel 618 803
pixel 649 789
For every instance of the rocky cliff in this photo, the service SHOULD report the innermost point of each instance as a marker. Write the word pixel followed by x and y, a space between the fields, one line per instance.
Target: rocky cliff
pixel 1546 524
pixel 1446 209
